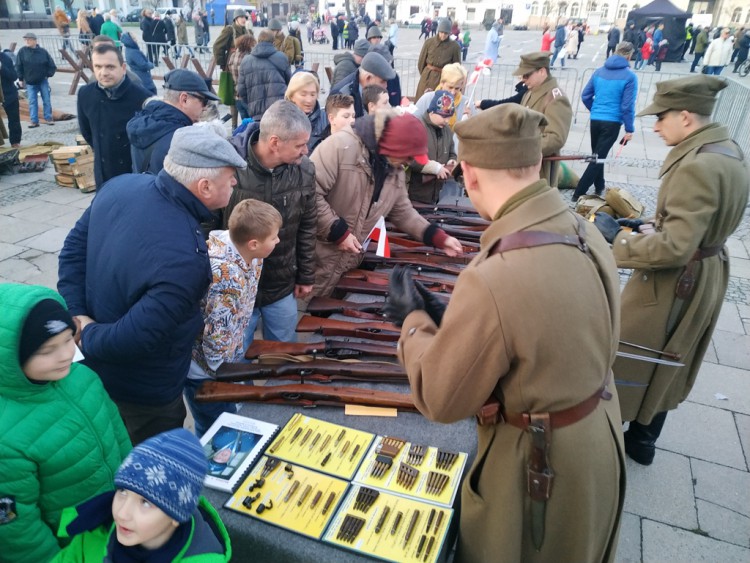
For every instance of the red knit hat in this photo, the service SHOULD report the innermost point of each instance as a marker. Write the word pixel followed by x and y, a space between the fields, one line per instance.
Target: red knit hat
pixel 404 137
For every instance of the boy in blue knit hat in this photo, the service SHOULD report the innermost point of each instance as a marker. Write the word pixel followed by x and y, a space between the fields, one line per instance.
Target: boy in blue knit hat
pixel 155 514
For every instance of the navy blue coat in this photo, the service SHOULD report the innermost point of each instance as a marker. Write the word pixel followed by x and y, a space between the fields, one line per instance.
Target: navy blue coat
pixel 154 127
pixel 137 263
pixel 102 122
pixel 349 86
pixel 8 76
pixel 138 63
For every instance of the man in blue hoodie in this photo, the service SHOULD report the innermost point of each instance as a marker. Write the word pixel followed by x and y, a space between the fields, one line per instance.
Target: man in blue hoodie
pixel 610 97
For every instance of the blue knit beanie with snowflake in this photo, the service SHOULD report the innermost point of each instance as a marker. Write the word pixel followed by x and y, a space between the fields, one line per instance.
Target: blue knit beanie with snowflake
pixel 167 470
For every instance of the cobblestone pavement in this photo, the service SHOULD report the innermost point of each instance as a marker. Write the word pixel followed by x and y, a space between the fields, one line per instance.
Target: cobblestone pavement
pixel 692 504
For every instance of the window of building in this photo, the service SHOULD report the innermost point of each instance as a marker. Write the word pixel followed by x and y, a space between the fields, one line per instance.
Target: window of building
pixel 574 9
pixel 605 11
pixel 471 14
pixel 622 11
pixel 562 8
pixel 737 15
pixel 535 8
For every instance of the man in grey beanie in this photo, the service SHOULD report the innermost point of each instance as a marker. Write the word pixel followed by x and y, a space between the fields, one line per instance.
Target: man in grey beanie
pixel 373 70
pixel 346 62
pixel 134 269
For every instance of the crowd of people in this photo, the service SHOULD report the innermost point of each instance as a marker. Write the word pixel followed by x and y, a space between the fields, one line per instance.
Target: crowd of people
pixel 195 236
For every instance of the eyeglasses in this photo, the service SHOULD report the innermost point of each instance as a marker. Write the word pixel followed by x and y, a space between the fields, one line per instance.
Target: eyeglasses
pixel 528 75
pixel 204 101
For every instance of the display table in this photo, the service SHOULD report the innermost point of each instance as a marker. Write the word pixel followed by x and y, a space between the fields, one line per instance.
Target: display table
pixel 258 541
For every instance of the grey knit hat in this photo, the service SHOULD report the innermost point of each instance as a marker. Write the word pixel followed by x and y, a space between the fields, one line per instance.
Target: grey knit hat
pixel 275 25
pixel 361 47
pixel 444 25
pixel 239 13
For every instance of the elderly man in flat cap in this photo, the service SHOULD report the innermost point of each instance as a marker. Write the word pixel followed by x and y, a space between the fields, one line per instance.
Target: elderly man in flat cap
pixel 548 480
pixel 545 96
pixel 435 54
pixel 133 272
pixel 374 69
pixel 681 267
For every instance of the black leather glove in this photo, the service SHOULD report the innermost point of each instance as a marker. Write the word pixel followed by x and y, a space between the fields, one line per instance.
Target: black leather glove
pixel 403 297
pixel 634 224
pixel 607 226
pixel 432 305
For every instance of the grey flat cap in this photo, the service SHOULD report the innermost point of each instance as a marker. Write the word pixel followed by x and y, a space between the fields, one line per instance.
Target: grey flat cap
pixel 444 25
pixel 184 80
pixel 382 50
pixel 197 147
pixel 275 25
pixel 377 65
pixel 361 47
pixel 29 35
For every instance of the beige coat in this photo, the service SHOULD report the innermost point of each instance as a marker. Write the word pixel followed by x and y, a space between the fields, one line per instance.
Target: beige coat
pixel 437 54
pixel 539 329
pixel 344 188
pixel 549 99
pixel 700 203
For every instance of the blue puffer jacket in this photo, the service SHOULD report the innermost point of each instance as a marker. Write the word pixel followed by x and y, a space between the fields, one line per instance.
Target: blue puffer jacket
pixel 61 442
pixel 138 63
pixel 154 126
pixel 263 77
pixel 137 263
pixel 611 91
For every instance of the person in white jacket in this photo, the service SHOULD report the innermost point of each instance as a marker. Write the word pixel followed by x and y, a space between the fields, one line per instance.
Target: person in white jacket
pixel 719 53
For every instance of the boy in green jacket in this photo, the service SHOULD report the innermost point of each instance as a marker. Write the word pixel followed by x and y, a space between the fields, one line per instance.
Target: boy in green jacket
pixel 156 513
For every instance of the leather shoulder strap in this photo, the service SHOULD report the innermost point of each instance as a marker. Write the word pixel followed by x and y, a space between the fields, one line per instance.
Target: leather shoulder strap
pixel 531 239
pixel 715 148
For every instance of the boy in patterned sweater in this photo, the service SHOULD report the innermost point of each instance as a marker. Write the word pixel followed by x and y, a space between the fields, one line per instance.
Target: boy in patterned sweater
pixel 236 260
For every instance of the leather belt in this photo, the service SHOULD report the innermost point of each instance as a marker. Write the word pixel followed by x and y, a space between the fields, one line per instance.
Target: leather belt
pixel 563 418
pixel 434 68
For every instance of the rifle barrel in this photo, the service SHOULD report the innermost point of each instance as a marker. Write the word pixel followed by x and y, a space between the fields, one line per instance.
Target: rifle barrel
pixel 230 371
pixel 327 348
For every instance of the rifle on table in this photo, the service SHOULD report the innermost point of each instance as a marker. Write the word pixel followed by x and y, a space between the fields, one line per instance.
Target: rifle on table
pixel 346 285
pixel 328 306
pixel 471 221
pixel 434 208
pixel 401 239
pixel 584 157
pixel 303 394
pixel 332 327
pixel 382 278
pixel 327 370
pixel 328 348
pixel 469 251
pixel 418 264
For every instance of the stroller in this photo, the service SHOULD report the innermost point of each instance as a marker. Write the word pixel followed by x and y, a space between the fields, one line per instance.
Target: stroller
pixel 319 36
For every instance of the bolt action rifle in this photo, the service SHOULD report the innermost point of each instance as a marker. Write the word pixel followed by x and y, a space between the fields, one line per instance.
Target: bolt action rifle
pixel 357 371
pixel 334 349
pixel 331 327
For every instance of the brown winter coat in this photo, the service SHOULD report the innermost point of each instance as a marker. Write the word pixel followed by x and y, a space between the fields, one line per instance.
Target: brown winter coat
pixel 426 188
pixel 700 204
pixel 225 43
pixel 344 183
pixel 538 328
pixel 549 99
pixel 436 54
pixel 290 46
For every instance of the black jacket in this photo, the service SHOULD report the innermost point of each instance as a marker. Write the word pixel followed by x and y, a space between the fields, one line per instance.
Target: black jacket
pixel 631 36
pixel 7 77
pixel 34 66
pixel 345 65
pixel 350 87
pixel 318 124
pixel 95 23
pixel 290 188
pixel 263 77
pixel 102 118
pixel 147 27
pixel 150 133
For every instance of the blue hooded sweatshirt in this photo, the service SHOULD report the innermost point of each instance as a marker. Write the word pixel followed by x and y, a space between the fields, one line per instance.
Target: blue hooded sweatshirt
pixel 150 133
pixel 610 93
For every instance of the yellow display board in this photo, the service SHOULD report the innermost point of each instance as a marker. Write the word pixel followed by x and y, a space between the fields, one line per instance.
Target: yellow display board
pixel 389 526
pixel 333 449
pixel 291 496
pixel 423 472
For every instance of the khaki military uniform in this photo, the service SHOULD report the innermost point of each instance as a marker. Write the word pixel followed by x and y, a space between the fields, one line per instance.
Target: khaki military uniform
pixel 538 328
pixel 434 56
pixel 549 99
pixel 224 43
pixel 700 203
pixel 290 46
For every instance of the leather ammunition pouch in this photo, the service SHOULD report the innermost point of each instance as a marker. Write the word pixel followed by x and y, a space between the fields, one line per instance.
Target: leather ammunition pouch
pixel 686 282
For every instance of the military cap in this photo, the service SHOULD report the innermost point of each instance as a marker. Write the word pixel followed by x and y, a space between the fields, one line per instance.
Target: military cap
pixel 197 147
pixel 377 65
pixel 444 25
pixel 275 25
pixel 374 31
pixel 532 61
pixel 184 80
pixel 696 94
pixel 505 136
pixel 361 47
pixel 239 13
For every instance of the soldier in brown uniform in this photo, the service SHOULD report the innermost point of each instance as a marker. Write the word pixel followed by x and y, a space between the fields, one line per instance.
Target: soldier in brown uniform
pixel 436 52
pixel 545 96
pixel 224 44
pixel 681 266
pixel 534 322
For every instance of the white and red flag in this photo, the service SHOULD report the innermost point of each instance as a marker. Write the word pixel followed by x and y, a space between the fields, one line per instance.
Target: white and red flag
pixel 379 235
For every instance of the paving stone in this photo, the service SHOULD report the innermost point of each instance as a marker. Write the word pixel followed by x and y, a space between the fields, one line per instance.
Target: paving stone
pixel 9 207
pixel 666 544
pixel 722 486
pixel 629 547
pixel 739 267
pixel 49 241
pixel 730 320
pixel 69 220
pixel 710 355
pixel 736 250
pixel 63 196
pixel 662 491
pixel 42 211
pixel 13 229
pixel 732 349
pixel 17 269
pixel 723 524
pixel 7 250
pixel 691 430
pixel 743 429
pixel 731 382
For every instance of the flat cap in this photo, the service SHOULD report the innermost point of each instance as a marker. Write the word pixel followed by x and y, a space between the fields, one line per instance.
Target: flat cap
pixel 361 47
pixel 29 35
pixel 532 61
pixel 696 94
pixel 444 25
pixel 184 80
pixel 505 136
pixel 382 50
pixel 377 65
pixel 275 25
pixel 198 147
pixel 374 31
pixel 239 13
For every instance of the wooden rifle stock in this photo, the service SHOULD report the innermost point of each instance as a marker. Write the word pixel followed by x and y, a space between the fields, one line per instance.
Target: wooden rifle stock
pixel 328 305
pixel 230 371
pixel 383 278
pixel 401 240
pixel 418 264
pixel 328 348
pixel 303 394
pixel 316 324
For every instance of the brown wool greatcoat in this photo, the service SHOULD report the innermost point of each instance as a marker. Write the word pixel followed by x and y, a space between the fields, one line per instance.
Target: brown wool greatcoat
pixel 224 43
pixel 344 186
pixel 435 53
pixel 538 328
pixel 549 99
pixel 701 201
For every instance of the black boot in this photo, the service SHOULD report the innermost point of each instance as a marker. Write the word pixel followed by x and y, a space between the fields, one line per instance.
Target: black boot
pixel 640 439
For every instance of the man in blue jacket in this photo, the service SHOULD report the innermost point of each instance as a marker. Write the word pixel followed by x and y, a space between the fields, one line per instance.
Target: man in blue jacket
pixel 133 272
pixel 561 37
pixel 610 97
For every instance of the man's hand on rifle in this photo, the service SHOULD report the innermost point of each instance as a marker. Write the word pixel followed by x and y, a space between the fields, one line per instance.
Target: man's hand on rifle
pixel 453 247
